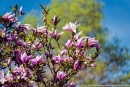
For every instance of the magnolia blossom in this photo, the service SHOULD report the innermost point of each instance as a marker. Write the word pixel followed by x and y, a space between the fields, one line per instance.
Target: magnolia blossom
pixel 47 54
pixel 61 75
pixel 41 29
pixel 12 37
pixel 9 77
pixel 89 60
pixel 37 60
pixel 55 20
pixel 57 59
pixel 9 62
pixel 63 52
pixel 68 59
pixel 37 45
pixel 44 19
pixel 26 73
pixel 54 34
pixel 23 27
pixel 93 43
pixel 72 84
pixel 92 65
pixel 76 36
pixel 79 52
pixel 8 17
pixel 21 43
pixel 21 8
pixel 69 43
pixel 21 72
pixel 71 27
pixel 2 79
pixel 18 70
pixel 2 31
pixel 17 54
pixel 77 65
pixel 80 43
pixel 24 58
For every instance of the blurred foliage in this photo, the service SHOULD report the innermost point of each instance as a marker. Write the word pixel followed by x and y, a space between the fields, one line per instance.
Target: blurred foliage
pixel 31 18
pixel 112 64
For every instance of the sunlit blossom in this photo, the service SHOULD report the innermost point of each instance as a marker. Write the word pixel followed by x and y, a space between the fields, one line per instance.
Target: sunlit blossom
pixel 71 27
pixel 61 75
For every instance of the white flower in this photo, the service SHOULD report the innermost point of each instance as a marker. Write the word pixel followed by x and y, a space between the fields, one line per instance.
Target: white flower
pixel 24 27
pixel 2 79
pixel 71 27
pixel 41 29
pixel 10 17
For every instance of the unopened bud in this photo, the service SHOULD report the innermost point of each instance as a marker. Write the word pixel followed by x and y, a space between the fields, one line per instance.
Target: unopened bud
pixel 44 19
pixel 9 62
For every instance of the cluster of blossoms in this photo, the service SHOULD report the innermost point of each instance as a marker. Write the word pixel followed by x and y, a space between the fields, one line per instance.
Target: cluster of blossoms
pixel 27 52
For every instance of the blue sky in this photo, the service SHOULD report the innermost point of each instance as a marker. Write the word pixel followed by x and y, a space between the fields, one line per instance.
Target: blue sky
pixel 116 13
pixel 117 19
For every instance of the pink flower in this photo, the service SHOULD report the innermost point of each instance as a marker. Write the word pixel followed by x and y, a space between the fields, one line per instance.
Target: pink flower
pixel 71 27
pixel 77 65
pixel 61 75
pixel 2 31
pixel 21 72
pixel 9 77
pixel 41 29
pixel 21 8
pixel 55 20
pixel 57 59
pixel 22 43
pixel 9 62
pixel 93 43
pixel 68 44
pixel 37 45
pixel 24 58
pixel 8 17
pixel 76 36
pixel 18 70
pixel 37 60
pixel 2 79
pixel 47 54
pixel 92 65
pixel 54 34
pixel 44 19
pixel 26 73
pixel 64 52
pixel 80 43
pixel 69 59
pixel 17 54
pixel 12 37
pixel 72 84
pixel 23 27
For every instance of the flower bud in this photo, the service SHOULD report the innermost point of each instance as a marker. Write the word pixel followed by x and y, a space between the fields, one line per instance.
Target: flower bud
pixel 21 8
pixel 9 62
pixel 61 75
pixel 44 19
pixel 47 54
